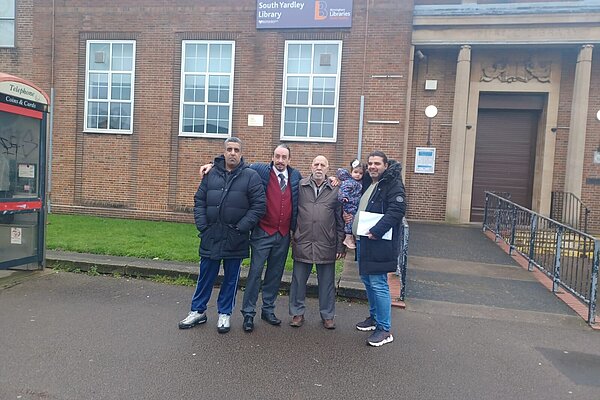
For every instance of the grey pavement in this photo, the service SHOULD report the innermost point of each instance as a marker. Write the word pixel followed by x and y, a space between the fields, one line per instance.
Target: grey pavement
pixel 476 326
pixel 68 336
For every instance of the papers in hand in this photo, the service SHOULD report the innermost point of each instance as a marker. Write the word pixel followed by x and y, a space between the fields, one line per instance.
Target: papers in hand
pixel 367 220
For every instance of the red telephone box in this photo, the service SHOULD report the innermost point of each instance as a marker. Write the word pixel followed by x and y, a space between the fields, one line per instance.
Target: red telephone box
pixel 23 130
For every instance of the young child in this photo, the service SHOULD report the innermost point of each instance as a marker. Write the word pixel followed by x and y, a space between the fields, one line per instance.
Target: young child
pixel 349 195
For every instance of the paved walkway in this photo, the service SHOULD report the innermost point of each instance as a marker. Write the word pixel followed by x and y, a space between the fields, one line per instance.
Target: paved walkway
pixel 448 265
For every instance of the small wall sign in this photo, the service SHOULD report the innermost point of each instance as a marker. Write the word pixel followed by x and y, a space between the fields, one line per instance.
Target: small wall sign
pixel 425 160
pixel 16 236
pixel 255 120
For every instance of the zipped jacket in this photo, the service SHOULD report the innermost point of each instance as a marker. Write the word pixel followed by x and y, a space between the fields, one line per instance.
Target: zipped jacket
pixel 227 206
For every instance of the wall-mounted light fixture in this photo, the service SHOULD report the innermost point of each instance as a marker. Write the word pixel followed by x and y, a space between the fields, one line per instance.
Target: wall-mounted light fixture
pixel 430 112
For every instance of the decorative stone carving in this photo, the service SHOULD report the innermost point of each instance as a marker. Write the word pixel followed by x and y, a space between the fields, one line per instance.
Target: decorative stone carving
pixel 516 71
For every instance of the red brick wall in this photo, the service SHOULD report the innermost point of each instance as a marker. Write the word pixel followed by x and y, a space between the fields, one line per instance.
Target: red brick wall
pixel 153 173
pixel 18 60
pixel 427 193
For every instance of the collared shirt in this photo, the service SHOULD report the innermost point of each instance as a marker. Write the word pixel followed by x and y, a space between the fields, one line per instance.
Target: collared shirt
pixel 284 172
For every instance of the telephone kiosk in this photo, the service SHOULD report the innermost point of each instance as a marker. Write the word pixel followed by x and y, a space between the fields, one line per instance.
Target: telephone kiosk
pixel 23 114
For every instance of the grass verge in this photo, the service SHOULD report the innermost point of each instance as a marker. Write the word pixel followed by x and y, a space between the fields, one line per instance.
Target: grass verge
pixel 170 241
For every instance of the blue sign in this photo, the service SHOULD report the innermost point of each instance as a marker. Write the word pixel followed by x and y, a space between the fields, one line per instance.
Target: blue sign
pixel 303 14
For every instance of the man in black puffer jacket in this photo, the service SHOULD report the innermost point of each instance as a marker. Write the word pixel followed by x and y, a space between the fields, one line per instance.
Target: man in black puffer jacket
pixel 377 256
pixel 228 204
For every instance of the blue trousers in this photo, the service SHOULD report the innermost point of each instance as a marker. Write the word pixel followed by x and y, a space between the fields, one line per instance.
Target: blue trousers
pixel 378 294
pixel 209 269
pixel 273 251
pixel 380 302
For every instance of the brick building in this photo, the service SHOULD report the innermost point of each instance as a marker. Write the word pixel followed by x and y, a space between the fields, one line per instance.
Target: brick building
pixel 145 91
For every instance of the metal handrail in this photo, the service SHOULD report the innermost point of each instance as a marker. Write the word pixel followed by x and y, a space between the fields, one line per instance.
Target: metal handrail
pixel 403 257
pixel 568 209
pixel 567 255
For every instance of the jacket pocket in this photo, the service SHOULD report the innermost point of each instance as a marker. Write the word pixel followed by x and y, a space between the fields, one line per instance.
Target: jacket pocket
pixel 379 250
pixel 207 238
pixel 236 240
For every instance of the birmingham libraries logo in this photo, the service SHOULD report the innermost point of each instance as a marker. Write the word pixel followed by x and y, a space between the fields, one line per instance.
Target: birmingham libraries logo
pixel 323 11
pixel 320 10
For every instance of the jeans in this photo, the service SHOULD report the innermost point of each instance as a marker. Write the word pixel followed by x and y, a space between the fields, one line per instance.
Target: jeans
pixel 380 302
pixel 209 269
pixel 378 294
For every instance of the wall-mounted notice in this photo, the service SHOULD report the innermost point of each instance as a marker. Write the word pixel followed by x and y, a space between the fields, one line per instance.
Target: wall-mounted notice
pixel 425 160
pixel 303 14
pixel 255 120
pixel 16 236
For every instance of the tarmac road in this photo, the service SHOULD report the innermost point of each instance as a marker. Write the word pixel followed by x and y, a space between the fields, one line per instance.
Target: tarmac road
pixel 77 337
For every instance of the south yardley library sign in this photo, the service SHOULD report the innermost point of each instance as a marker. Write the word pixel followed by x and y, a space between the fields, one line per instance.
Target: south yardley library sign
pixel 303 14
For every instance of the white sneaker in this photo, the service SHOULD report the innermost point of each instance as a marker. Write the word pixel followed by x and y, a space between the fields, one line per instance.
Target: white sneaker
pixel 194 318
pixel 224 324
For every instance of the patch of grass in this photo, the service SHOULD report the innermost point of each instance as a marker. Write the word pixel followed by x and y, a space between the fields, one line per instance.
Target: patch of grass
pixel 127 237
pixel 93 271
pixel 179 281
pixel 123 237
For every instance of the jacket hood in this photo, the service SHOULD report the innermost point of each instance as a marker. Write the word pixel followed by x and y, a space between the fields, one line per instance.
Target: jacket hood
pixel 393 171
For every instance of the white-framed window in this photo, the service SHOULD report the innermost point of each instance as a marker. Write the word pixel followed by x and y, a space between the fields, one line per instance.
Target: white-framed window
pixel 311 87
pixel 206 88
pixel 7 23
pixel 109 86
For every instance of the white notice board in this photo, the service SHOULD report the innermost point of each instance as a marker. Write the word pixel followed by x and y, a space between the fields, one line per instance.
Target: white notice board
pixel 425 160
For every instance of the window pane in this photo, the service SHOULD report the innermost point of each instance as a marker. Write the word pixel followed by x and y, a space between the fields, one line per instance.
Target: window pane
pixel 98 86
pixel 326 59
pixel 121 87
pixel 323 91
pixel 218 89
pixel 120 116
pixel 7 9
pixel 99 56
pixel 321 122
pixel 297 90
pixel 299 58
pixel 97 115
pixel 7 33
pixel 193 119
pixel 217 120
pixel 195 57
pixel 122 57
pixel 296 122
pixel 220 58
pixel 194 88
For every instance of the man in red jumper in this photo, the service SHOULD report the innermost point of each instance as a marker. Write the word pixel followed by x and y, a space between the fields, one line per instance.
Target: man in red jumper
pixel 270 239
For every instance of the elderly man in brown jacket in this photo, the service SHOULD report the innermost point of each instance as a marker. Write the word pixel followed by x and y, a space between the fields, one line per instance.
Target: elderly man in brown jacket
pixel 317 240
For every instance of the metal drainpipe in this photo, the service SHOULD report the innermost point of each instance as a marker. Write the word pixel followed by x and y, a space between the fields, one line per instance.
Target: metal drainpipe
pixel 49 151
pixel 360 126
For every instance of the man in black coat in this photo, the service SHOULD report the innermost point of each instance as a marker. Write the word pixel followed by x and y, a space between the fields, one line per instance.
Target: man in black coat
pixel 228 204
pixel 377 256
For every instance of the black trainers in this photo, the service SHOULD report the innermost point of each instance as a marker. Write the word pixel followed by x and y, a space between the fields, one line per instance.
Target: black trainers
pixel 366 325
pixel 379 338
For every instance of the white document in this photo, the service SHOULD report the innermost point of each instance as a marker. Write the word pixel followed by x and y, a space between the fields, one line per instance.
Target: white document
pixel 367 220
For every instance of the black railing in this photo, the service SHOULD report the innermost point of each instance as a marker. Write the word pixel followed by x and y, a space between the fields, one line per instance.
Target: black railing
pixel 403 258
pixel 568 209
pixel 568 256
